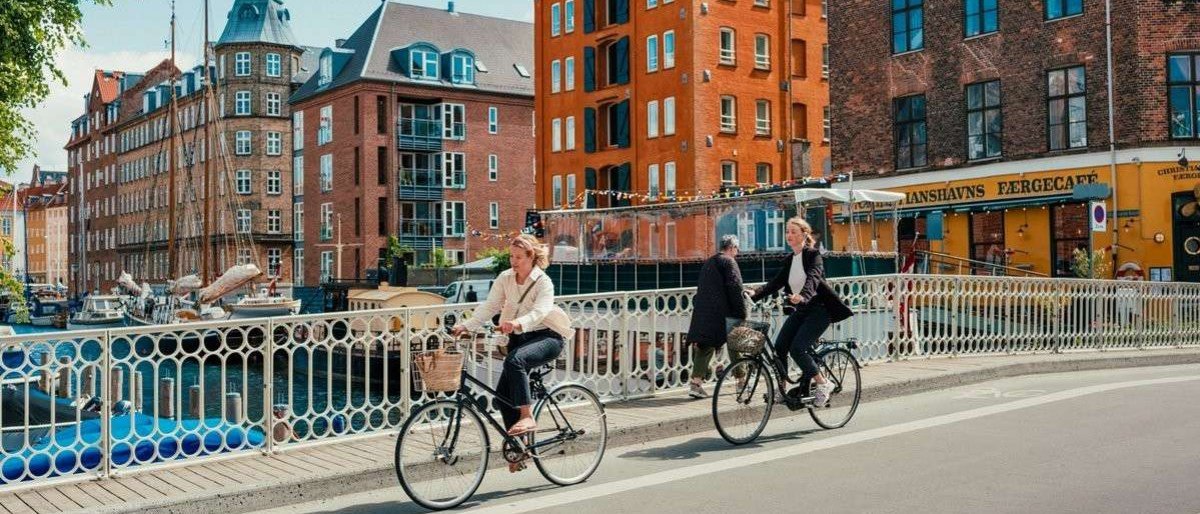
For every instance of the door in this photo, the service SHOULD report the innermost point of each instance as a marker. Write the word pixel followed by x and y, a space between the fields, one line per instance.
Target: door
pixel 1184 213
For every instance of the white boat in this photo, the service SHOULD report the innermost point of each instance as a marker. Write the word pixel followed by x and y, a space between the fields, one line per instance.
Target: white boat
pixel 263 305
pixel 99 311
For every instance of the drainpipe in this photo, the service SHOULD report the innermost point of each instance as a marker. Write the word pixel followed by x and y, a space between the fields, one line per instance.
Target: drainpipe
pixel 1112 142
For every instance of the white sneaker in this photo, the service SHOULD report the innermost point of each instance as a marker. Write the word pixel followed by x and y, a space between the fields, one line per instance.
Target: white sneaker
pixel 822 392
pixel 697 391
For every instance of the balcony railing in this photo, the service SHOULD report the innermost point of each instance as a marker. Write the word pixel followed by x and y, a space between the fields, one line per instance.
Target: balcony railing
pixel 421 228
pixel 419 184
pixel 419 135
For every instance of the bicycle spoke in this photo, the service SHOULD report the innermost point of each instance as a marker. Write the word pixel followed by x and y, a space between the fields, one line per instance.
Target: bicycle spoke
pixel 580 436
pixel 742 401
pixel 441 455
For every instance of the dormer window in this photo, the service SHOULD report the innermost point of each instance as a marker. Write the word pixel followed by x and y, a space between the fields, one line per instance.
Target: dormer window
pixel 423 63
pixel 464 68
pixel 326 71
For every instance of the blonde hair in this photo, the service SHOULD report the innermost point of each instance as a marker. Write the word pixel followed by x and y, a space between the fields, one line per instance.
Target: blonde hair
pixel 535 249
pixel 804 227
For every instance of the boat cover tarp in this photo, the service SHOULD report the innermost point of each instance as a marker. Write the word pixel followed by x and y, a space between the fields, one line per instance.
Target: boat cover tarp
pixel 184 285
pixel 40 408
pixel 235 277
pixel 127 283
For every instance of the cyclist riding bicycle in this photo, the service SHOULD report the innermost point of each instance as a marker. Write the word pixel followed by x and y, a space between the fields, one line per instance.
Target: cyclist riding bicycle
pixel 524 297
pixel 811 306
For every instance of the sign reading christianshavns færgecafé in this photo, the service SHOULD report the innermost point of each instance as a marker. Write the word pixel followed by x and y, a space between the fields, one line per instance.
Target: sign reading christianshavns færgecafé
pixel 982 190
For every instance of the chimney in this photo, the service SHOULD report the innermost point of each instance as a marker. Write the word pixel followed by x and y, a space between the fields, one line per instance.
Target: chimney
pixel 339 43
pixel 450 7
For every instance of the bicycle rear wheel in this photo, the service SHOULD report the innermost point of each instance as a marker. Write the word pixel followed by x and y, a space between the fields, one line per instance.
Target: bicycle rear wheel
pixel 442 454
pixel 839 366
pixel 573 429
pixel 742 400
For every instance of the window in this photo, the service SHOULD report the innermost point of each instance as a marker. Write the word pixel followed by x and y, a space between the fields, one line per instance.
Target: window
pixel 984 122
pixel 762 118
pixel 326 266
pixel 298 175
pixel 555 19
pixel 298 267
pixel 569 74
pixel 454 219
pixel 493 120
pixel 910 131
pixel 381 208
pixel 762 173
pixel 493 167
pixel 747 232
pixel 273 65
pixel 423 63
pixel 243 182
pixel 652 53
pixel 326 175
pixel 1056 9
pixel 1066 108
pixel 762 3
pixel 241 64
pixel 298 221
pixel 274 261
pixel 569 16
pixel 326 221
pixel 775 231
pixel 325 128
pixel 570 133
pixel 274 222
pixel 987 242
pixel 454 121
pixel 298 130
pixel 827 124
pixel 728 50
pixel 274 182
pixel 241 103
pixel 762 51
pixel 273 104
pixel 274 143
pixel 570 190
pixel 381 165
pixel 908 25
pixel 463 71
pixel 824 61
pixel 454 170
pixel 980 17
pixel 555 76
pixel 242 142
pixel 652 119
pixel 728 114
pixel 243 221
pixel 652 180
pixel 326 70
pixel 728 173
pixel 493 215
pixel 669 116
pixel 668 49
pixel 556 135
pixel 799 58
pixel 556 191
pixel 650 4
pixel 1183 85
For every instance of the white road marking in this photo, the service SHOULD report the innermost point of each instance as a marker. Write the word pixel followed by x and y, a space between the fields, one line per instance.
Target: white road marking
pixel 585 493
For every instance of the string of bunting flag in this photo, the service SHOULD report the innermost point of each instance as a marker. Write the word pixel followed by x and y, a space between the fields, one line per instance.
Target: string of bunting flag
pixel 690 196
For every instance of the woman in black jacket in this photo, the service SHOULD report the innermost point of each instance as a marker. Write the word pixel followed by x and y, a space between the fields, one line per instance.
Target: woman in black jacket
pixel 813 304
pixel 718 296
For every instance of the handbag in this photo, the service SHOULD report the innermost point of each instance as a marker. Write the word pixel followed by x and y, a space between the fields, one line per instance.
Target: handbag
pixel 504 349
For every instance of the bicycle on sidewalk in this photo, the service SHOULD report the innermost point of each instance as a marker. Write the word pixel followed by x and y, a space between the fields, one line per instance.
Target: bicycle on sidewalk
pixel 746 390
pixel 443 449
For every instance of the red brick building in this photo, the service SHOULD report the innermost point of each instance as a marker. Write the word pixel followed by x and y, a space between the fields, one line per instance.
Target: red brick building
pixel 989 114
pixel 418 125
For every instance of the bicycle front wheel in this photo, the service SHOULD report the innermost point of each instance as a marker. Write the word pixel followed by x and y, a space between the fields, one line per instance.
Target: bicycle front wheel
pixel 839 366
pixel 742 400
pixel 442 454
pixel 571 436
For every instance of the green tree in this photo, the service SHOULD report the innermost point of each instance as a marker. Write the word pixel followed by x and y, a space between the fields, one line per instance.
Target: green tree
pixel 501 261
pixel 32 32
pixel 440 259
pixel 1093 264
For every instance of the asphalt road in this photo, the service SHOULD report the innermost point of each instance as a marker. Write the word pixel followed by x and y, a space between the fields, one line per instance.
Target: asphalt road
pixel 1095 441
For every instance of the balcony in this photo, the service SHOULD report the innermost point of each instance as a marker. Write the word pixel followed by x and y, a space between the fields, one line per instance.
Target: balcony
pixel 420 184
pixel 419 135
pixel 420 234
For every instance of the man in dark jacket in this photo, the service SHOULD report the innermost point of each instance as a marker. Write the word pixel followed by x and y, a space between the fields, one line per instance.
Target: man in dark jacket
pixel 718 296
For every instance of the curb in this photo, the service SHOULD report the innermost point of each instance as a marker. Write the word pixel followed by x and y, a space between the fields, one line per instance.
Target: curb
pixel 271 495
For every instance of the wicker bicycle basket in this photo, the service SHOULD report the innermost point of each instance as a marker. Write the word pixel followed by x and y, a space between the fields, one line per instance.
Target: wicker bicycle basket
pixel 439 371
pixel 748 337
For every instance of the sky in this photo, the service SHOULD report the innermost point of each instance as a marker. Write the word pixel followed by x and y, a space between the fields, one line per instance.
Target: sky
pixel 132 35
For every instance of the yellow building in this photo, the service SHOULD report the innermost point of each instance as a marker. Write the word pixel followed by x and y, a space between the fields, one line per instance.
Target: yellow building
pixel 1033 214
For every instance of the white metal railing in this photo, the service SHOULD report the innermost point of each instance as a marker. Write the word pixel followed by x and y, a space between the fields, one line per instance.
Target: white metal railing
pixel 169 393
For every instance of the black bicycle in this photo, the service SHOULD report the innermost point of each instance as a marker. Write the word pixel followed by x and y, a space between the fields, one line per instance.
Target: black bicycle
pixel 746 390
pixel 443 449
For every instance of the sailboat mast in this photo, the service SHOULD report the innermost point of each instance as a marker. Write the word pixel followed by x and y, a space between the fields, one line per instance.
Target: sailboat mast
pixel 171 166
pixel 208 185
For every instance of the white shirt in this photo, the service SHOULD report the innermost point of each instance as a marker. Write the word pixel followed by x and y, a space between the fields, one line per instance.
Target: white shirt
pixel 797 277
pixel 503 299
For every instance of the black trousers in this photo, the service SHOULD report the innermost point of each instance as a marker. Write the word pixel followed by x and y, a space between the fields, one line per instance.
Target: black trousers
pixel 525 352
pixel 799 333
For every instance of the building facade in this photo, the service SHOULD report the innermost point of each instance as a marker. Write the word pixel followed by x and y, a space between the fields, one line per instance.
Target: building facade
pixel 650 102
pixel 994 119
pixel 11 230
pixel 45 214
pixel 419 125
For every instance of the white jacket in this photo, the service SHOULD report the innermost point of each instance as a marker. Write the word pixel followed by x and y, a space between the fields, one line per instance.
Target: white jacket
pixel 537 311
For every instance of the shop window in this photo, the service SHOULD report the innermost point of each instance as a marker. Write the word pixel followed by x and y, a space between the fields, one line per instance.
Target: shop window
pixel 987 243
pixel 1070 228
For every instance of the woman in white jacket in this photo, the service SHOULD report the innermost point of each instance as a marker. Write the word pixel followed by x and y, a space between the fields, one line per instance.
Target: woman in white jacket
pixel 524 296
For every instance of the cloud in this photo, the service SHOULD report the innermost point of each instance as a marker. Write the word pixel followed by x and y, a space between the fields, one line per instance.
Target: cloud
pixel 52 119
